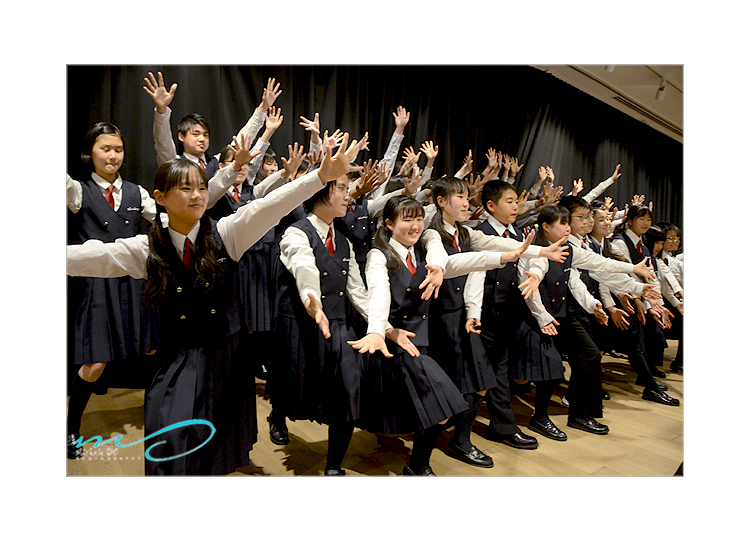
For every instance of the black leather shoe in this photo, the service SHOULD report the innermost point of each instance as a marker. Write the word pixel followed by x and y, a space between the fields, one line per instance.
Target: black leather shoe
pixel 616 354
pixel 516 440
pixel 474 456
pixel 676 368
pixel 605 395
pixel 279 435
pixel 660 385
pixel 426 471
pixel 74 451
pixel 657 373
pixel 334 472
pixel 658 396
pixel 518 389
pixel 261 373
pixel 588 424
pixel 544 426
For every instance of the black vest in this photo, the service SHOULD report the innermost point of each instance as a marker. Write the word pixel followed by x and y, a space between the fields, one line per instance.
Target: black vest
pixel 334 273
pixel 554 287
pixel 194 314
pixel 360 229
pixel 408 309
pixel 451 294
pixel 97 220
pixel 635 258
pixel 500 285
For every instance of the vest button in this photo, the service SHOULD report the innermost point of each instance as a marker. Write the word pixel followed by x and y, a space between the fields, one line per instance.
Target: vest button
pixel 325 273
pixel 553 301
pixel 404 317
pixel 563 298
pixel 106 224
pixel 182 317
pixel 322 297
pixel 343 272
pixel 458 288
pixel 408 289
pixel 179 289
pixel 557 284
pixel 207 284
pixel 424 317
pixel 127 222
pixel 497 283
pixel 213 311
pixel 341 294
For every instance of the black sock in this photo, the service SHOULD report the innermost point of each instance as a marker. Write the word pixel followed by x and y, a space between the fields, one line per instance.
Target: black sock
pixel 80 392
pixel 543 395
pixel 339 436
pixel 424 443
pixel 465 422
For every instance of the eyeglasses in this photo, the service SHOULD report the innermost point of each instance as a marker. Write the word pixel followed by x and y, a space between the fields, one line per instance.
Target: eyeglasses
pixel 583 218
pixel 673 238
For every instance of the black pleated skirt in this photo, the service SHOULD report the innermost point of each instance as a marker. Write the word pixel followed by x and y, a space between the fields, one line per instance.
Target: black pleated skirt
pixel 109 320
pixel 404 394
pixel 314 378
pixel 212 383
pixel 254 278
pixel 460 354
pixel 533 355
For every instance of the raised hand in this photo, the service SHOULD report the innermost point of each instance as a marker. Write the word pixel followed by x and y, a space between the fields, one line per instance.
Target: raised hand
pixel 334 166
pixel 542 174
pixel 296 156
pixel 270 93
pixel 383 173
pixel 411 156
pixel 274 118
pixel 492 160
pixel 371 343
pixel 473 325
pixel 312 126
pixel 523 203
pixel 616 175
pixel 415 182
pixel 158 92
pixel 514 168
pixel 637 200
pixel 467 166
pixel 334 139
pixel 432 282
pixel 600 314
pixel 607 204
pixel 368 181
pixel 577 187
pixel 314 309
pixel 242 154
pixel 550 174
pixel 649 292
pixel 363 144
pixel 401 338
pixel 316 157
pixel 506 160
pixel 555 251
pixel 476 213
pixel 401 116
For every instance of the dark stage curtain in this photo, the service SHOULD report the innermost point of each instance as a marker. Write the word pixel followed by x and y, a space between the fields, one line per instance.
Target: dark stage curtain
pixel 515 109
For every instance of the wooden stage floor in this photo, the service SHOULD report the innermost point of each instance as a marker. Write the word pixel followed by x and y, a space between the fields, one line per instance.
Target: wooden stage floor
pixel 645 439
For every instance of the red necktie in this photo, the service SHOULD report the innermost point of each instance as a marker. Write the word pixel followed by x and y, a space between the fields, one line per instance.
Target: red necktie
pixel 351 207
pixel 110 198
pixel 584 242
pixel 236 194
pixel 455 241
pixel 638 248
pixel 202 164
pixel 329 241
pixel 410 264
pixel 187 254
pixel 505 234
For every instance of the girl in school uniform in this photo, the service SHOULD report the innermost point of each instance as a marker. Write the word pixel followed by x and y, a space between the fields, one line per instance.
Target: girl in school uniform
pixel 190 263
pixel 316 376
pixel 107 321
pixel 553 313
pixel 673 235
pixel 408 391
pixel 454 339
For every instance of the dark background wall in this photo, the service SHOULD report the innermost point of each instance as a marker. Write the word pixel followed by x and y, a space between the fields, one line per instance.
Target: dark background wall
pixel 515 109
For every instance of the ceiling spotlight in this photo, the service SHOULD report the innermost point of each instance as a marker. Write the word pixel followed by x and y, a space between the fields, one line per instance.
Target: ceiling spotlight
pixel 609 68
pixel 660 92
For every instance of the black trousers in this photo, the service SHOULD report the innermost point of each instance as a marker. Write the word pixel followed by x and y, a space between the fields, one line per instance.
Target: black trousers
pixel 498 333
pixel 585 389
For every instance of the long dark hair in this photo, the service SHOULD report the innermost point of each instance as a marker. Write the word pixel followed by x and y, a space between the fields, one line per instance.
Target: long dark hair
pixel 395 208
pixel 206 266
pixel 653 236
pixel 446 187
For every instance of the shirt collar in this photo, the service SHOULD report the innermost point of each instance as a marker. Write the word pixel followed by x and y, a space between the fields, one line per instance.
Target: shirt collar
pixel 449 228
pixel 104 183
pixel 402 251
pixel 574 240
pixel 194 159
pixel 499 227
pixel 319 224
pixel 178 240
pixel 633 236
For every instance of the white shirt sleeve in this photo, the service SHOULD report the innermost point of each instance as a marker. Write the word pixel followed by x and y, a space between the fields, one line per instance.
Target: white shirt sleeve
pixel 474 294
pixel 148 205
pixel 298 257
pixel 390 156
pixel 580 292
pixel 74 194
pixel 355 286
pixel 220 183
pixel 599 189
pixel 481 241
pixel 243 229
pixel 379 292
pixel 538 311
pixel 163 141
pixel 94 258
pixel 269 184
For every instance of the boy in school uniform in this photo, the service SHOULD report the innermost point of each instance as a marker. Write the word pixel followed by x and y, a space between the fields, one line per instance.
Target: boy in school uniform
pixel 494 296
pixel 193 133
